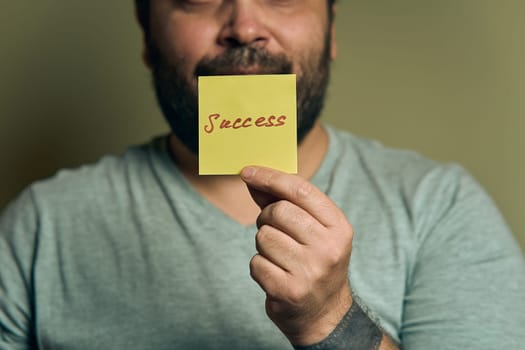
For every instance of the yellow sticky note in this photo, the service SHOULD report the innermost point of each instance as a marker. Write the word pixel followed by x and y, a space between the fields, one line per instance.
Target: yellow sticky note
pixel 247 120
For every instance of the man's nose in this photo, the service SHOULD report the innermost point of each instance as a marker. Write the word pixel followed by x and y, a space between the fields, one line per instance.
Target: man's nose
pixel 244 25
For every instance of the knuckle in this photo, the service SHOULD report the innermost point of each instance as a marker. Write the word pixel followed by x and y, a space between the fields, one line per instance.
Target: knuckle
pixel 253 274
pixel 348 237
pixel 335 254
pixel 253 264
pixel 297 296
pixel 255 267
pixel 261 237
pixel 269 179
pixel 334 259
pixel 266 239
pixel 344 229
pixel 280 210
pixel 349 229
pixel 303 190
pixel 310 224
pixel 317 273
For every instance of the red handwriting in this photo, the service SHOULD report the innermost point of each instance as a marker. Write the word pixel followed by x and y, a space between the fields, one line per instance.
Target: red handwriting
pixel 224 123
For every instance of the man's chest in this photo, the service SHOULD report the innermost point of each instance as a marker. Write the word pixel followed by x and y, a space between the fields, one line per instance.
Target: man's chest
pixel 158 288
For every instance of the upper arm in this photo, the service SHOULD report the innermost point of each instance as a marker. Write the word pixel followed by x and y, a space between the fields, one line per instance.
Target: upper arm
pixel 467 288
pixel 17 245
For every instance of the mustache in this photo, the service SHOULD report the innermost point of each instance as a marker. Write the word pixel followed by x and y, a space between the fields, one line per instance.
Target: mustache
pixel 243 59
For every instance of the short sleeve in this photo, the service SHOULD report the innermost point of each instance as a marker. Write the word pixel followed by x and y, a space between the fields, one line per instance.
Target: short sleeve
pixel 18 226
pixel 467 288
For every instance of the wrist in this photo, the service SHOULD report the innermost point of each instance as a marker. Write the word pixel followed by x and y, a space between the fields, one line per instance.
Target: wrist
pixel 355 331
pixel 321 325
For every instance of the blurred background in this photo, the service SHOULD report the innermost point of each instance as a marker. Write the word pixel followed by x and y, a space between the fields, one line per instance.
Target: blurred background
pixel 445 78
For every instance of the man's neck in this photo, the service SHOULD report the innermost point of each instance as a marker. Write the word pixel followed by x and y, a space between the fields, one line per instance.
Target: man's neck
pixel 227 192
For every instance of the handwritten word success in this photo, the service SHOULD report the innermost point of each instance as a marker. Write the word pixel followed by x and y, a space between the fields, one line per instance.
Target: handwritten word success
pixel 215 120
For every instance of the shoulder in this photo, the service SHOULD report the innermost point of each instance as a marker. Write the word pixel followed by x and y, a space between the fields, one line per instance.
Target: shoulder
pixel 399 171
pixel 89 185
pixel 442 203
pixel 88 180
pixel 423 191
pixel 377 157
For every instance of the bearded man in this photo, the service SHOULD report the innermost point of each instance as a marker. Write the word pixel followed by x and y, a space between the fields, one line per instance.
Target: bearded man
pixel 366 248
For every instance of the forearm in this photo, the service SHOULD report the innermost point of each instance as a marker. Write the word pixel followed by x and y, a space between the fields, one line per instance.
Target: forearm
pixel 355 331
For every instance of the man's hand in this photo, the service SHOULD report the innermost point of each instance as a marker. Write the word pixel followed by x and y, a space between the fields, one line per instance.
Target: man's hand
pixel 304 244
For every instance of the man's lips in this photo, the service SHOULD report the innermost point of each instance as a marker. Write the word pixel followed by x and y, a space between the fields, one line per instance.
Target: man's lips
pixel 251 70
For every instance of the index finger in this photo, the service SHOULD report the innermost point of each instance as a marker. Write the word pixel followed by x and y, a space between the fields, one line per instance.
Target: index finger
pixel 273 183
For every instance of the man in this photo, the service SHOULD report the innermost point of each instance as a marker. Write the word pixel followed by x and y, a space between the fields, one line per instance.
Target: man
pixel 365 248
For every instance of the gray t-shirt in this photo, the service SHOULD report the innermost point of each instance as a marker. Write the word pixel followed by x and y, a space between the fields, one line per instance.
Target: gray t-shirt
pixel 125 254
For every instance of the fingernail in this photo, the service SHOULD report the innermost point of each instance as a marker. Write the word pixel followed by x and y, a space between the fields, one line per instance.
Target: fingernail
pixel 247 172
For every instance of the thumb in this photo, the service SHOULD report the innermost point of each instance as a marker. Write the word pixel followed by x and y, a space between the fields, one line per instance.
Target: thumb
pixel 261 197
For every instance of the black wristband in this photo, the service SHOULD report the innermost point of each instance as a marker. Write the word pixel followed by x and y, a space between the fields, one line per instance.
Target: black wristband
pixel 356 331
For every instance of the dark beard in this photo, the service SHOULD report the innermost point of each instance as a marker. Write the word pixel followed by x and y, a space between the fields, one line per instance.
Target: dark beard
pixel 179 101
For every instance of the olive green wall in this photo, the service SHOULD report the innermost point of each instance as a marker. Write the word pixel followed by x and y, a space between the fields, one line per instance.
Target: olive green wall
pixel 443 77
